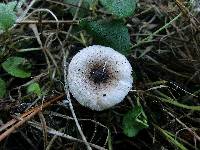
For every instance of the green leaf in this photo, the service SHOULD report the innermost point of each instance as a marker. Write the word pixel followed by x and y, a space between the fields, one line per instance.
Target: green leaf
pixel 34 88
pixel 2 88
pixel 17 67
pixel 134 121
pixel 7 15
pixel 11 5
pixel 109 33
pixel 120 8
pixel 83 11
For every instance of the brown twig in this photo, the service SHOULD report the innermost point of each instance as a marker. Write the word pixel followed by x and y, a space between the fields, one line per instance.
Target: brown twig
pixel 63 135
pixel 47 22
pixel 25 117
pixel 76 6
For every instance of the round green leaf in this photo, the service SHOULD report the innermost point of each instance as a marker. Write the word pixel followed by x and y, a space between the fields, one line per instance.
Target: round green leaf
pixel 17 67
pixel 34 88
pixel 120 8
pixel 109 33
pixel 2 88
pixel 7 16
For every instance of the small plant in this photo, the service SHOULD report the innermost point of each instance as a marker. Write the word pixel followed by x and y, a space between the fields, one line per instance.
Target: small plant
pixel 7 16
pixel 15 66
pixel 34 88
pixel 134 121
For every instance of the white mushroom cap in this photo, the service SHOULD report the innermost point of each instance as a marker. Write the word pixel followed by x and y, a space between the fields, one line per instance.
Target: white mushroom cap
pixel 99 77
pixel 196 5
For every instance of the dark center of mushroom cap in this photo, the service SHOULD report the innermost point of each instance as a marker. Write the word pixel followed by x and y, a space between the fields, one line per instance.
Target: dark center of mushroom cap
pixel 99 74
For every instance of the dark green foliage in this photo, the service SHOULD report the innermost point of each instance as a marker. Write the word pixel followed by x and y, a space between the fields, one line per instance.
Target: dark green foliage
pixel 2 88
pixel 17 67
pixel 109 33
pixel 134 121
pixel 34 88
pixel 120 8
pixel 7 15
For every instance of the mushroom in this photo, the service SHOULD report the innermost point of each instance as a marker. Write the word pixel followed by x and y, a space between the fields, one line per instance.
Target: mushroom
pixel 99 77
pixel 196 5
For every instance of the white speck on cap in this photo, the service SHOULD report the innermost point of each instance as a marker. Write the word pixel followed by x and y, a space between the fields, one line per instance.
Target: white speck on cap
pixel 99 77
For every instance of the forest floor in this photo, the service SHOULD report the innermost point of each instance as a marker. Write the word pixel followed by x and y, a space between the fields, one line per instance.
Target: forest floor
pixel 165 56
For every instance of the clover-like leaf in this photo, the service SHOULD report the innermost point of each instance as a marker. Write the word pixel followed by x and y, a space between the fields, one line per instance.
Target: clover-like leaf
pixel 34 88
pixel 17 67
pixel 134 121
pixel 120 8
pixel 2 88
pixel 7 15
pixel 109 33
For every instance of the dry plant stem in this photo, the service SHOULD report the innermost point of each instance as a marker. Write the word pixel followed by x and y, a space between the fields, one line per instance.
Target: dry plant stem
pixel 28 140
pixel 74 18
pixel 57 133
pixel 44 128
pixel 43 47
pixel 35 79
pixel 44 10
pixel 26 116
pixel 146 40
pixel 47 22
pixel 185 126
pixel 21 18
pixel 164 67
pixel 65 81
pixel 71 5
pixel 70 118
pixel 186 13
pixel 50 144
pixel 76 120
pixel 64 4
pixel 17 125
pixel 37 35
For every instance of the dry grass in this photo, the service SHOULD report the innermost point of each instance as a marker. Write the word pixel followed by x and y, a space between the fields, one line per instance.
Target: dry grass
pixel 165 56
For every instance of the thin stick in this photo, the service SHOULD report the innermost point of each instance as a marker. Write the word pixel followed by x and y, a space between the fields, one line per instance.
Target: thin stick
pixel 26 11
pixel 44 10
pixel 71 26
pixel 185 126
pixel 147 39
pixel 17 125
pixel 13 121
pixel 60 134
pixel 76 6
pixel 65 80
pixel 47 22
